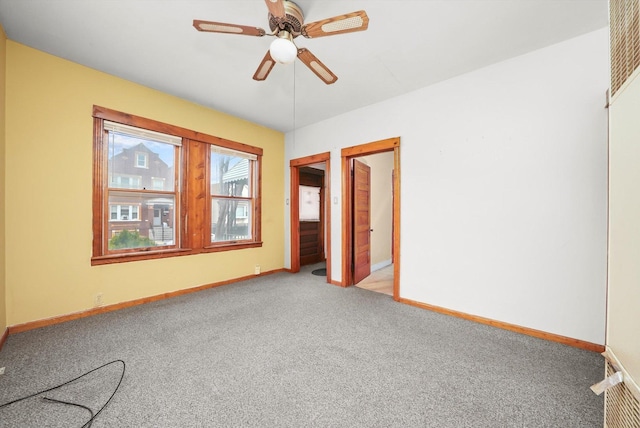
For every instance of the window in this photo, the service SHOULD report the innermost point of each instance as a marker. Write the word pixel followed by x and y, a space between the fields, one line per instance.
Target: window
pixel 124 212
pixel 309 203
pixel 149 178
pixel 125 181
pixel 232 175
pixel 157 183
pixel 141 160
pixel 127 148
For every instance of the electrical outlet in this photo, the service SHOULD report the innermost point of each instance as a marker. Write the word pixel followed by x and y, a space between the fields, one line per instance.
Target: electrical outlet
pixel 257 270
pixel 98 300
pixel 1 370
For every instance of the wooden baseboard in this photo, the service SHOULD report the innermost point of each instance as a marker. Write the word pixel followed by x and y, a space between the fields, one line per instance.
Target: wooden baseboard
pixel 18 328
pixel 576 343
pixel 511 327
pixel 3 338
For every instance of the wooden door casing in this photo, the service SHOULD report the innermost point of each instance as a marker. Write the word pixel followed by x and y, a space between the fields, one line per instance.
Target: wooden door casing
pixel 347 154
pixel 295 166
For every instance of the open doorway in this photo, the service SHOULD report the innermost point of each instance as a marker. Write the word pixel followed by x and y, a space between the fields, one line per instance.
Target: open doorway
pixel 357 227
pixel 310 229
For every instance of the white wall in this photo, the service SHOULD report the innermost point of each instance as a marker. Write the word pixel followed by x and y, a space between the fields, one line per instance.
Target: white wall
pixel 504 187
pixel 624 230
pixel 381 192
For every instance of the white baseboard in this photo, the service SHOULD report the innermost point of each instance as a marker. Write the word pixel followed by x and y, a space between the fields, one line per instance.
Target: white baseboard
pixel 382 264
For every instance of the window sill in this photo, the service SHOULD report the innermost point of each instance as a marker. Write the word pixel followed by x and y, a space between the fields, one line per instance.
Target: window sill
pixel 132 257
pixel 161 254
pixel 231 246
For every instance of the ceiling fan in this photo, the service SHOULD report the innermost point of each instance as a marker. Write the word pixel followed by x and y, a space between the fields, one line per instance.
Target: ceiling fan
pixel 286 22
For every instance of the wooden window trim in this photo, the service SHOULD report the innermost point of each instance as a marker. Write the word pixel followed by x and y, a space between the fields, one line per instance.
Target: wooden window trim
pixel 141 122
pixel 192 215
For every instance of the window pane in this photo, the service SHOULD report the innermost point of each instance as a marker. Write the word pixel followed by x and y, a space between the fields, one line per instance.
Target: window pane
pixel 230 220
pixel 309 203
pixel 135 163
pixel 230 174
pixel 148 220
pixel 141 160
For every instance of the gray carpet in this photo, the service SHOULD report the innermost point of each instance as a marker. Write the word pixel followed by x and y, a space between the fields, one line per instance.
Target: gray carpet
pixel 289 351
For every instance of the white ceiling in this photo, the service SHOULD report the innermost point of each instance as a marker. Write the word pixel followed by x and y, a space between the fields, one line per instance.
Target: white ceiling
pixel 409 44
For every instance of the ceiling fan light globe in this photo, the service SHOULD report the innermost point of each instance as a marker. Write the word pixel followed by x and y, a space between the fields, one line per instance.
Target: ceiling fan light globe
pixel 283 51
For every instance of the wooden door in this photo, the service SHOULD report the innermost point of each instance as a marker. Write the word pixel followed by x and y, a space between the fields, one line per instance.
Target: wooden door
pixel 361 221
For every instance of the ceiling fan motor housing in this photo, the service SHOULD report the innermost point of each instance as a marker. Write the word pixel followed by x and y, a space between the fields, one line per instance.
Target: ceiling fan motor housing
pixel 292 21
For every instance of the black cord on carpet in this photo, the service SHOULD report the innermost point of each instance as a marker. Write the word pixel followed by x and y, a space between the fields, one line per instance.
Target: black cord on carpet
pixel 93 417
pixel 68 403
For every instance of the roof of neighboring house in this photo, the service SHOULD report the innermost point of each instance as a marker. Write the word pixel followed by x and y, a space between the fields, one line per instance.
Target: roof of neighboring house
pixel 239 171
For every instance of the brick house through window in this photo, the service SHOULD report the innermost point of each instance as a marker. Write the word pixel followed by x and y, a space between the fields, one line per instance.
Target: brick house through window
pixel 152 216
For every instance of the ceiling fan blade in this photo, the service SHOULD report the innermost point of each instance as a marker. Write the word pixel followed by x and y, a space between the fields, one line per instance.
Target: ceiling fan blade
pixel 221 27
pixel 264 68
pixel 276 8
pixel 316 66
pixel 355 21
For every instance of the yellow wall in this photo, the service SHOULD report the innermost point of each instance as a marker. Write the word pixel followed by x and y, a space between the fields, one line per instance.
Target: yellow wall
pixel 49 190
pixel 3 57
pixel 624 229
